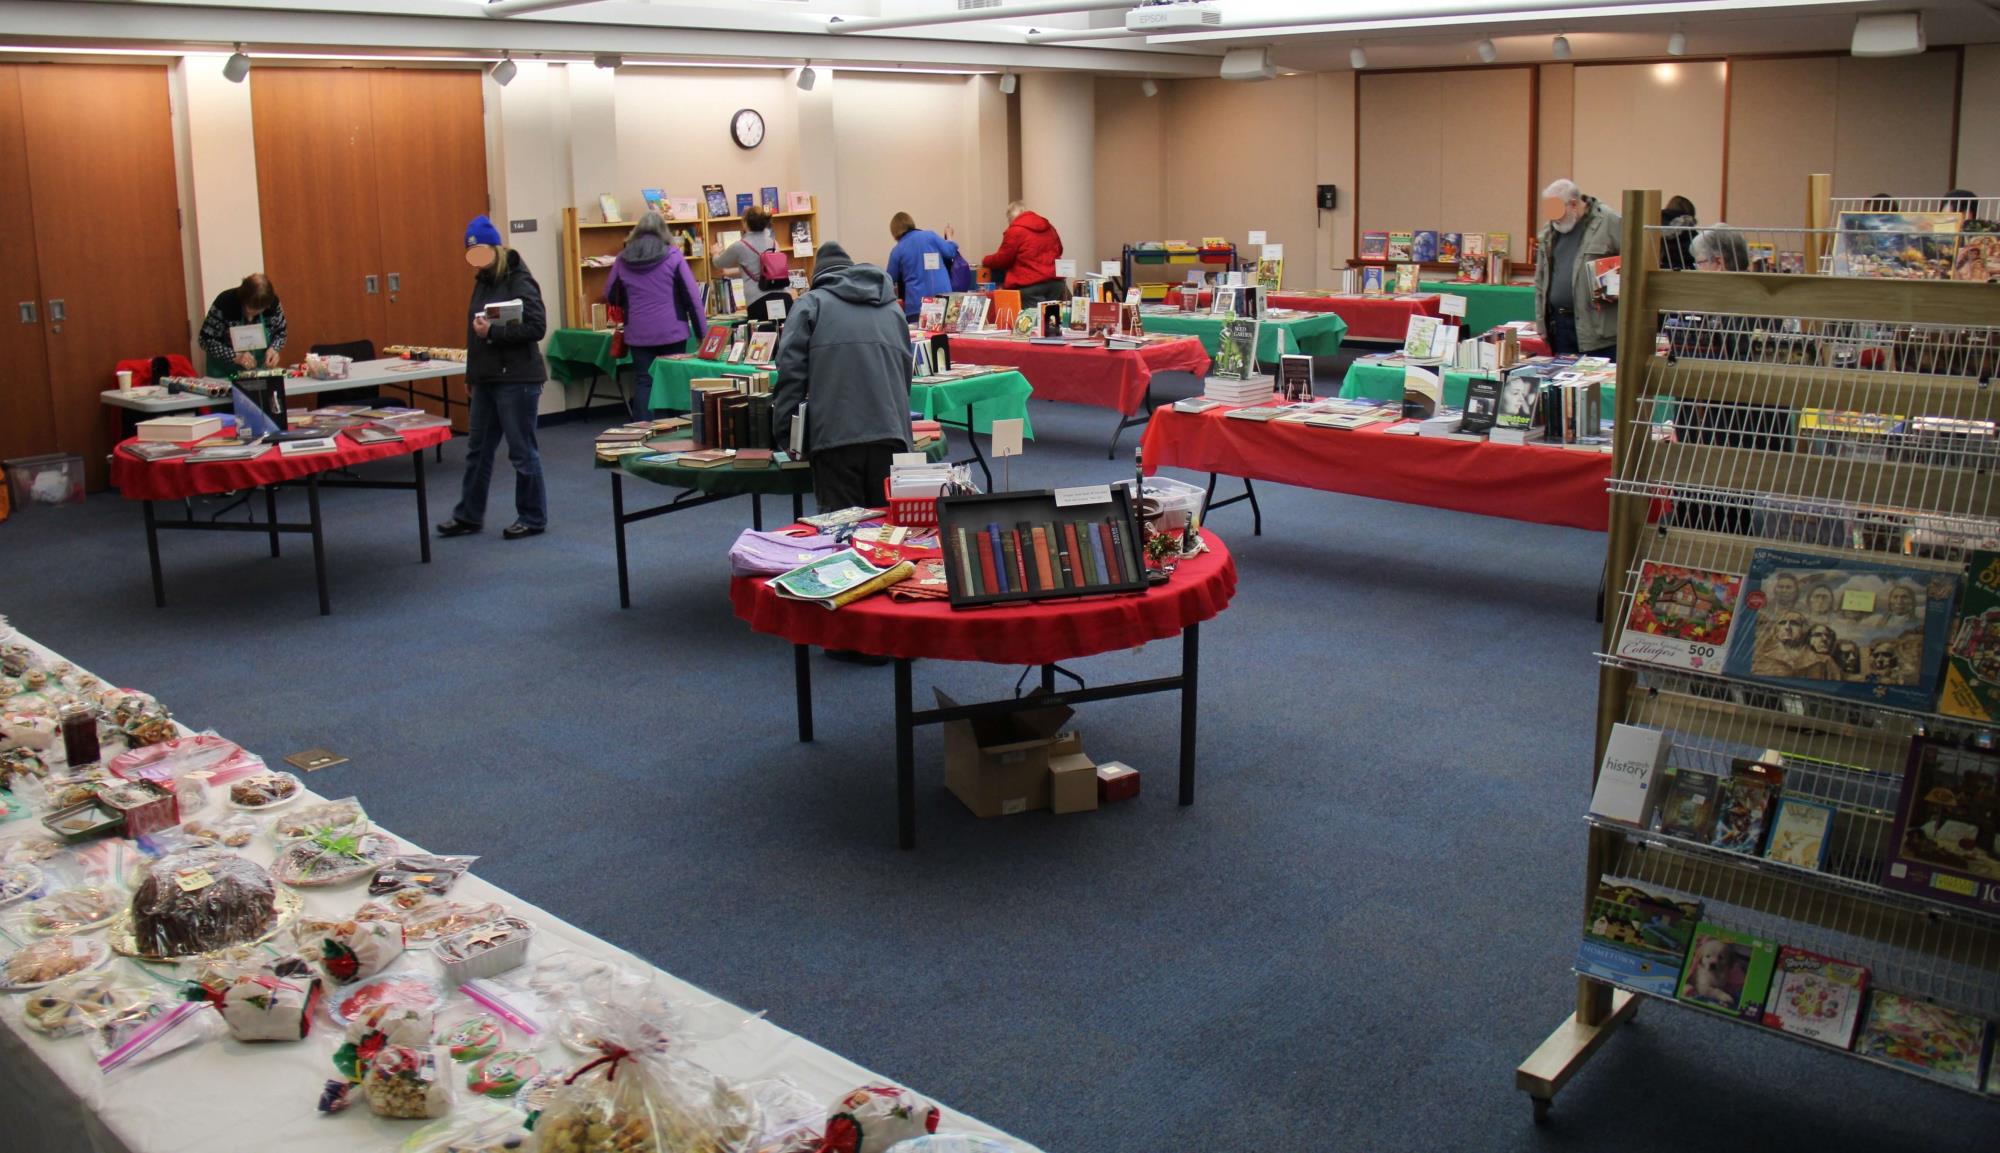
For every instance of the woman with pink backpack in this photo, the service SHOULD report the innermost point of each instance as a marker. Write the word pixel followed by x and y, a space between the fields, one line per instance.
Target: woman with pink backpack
pixel 756 259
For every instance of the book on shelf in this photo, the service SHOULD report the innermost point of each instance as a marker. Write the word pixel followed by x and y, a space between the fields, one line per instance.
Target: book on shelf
pixel 1680 617
pixel 1399 247
pixel 1499 244
pixel 1374 246
pixel 1236 349
pixel 1100 319
pixel 1688 809
pixel 1632 776
pixel 930 314
pixel 1923 1037
pixel 1862 630
pixel 1406 279
pixel 1496 267
pixel 1222 301
pixel 1943 843
pixel 745 201
pixel 1728 971
pixel 1424 246
pixel 1482 404
pixel 656 201
pixel 1449 246
pixel 767 196
pixel 1972 657
pixel 1295 377
pixel 1444 421
pixel 607 205
pixel 1799 833
pixel 972 314
pixel 1743 801
pixel 1637 935
pixel 717 199
pixel 752 458
pixel 684 208
pixel 802 237
pixel 1472 246
pixel 1896 245
pixel 714 343
pixel 1815 997
pixel 1371 280
pixel 1270 274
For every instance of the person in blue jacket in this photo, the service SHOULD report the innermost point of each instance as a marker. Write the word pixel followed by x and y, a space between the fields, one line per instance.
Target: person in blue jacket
pixel 920 264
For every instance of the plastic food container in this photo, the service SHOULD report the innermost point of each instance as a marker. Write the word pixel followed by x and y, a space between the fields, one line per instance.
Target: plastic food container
pixel 54 478
pixel 485 950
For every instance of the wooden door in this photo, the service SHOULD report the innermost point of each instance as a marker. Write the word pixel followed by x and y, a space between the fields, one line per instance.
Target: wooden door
pixel 430 130
pixel 317 168
pixel 107 233
pixel 27 407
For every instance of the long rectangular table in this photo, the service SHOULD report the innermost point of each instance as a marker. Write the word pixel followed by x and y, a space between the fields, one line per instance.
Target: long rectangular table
pixel 225 1096
pixel 1369 318
pixel 176 480
pixel 1487 305
pixel 1312 333
pixel 1542 484
pixel 584 354
pixel 1117 379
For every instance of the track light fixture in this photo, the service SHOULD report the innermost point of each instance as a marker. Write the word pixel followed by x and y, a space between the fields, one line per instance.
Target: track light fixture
pixel 807 78
pixel 1148 87
pixel 1561 47
pixel 608 60
pixel 1487 52
pixel 1008 83
pixel 503 71
pixel 236 67
pixel 1357 57
pixel 1677 44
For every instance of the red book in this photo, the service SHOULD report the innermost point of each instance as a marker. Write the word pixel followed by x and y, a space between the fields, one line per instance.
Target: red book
pixel 1075 551
pixel 1114 571
pixel 989 573
pixel 1022 542
pixel 1042 558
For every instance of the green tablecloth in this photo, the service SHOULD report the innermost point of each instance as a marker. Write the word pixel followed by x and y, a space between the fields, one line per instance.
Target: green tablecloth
pixel 725 480
pixel 1313 333
pixel 576 353
pixel 1487 305
pixel 996 395
pixel 1367 381
pixel 671 378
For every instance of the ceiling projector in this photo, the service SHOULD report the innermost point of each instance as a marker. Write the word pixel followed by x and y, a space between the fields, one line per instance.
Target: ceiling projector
pixel 1173 18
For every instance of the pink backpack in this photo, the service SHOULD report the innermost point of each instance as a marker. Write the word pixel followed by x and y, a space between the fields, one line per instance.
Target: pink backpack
pixel 774 268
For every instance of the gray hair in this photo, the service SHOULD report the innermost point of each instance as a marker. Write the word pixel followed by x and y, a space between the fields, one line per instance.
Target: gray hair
pixel 1564 188
pixel 651 222
pixel 1721 242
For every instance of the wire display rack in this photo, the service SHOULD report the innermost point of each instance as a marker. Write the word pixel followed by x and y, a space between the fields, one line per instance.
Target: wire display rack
pixel 1836 409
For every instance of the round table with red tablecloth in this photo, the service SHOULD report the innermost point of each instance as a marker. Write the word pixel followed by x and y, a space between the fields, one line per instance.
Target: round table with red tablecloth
pixel 177 479
pixel 1044 633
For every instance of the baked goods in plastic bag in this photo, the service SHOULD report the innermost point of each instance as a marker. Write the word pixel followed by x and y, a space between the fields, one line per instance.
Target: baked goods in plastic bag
pixel 432 874
pixel 342 816
pixel 502 1074
pixel 330 858
pixel 622 1102
pixel 40 962
pixel 231 830
pixel 874 1117
pixel 406 1081
pixel 426 918
pixel 76 909
pixel 350 951
pixel 79 1002
pixel 200 901
pixel 267 1008
pixel 135 1040
pixel 485 1127
pixel 474 1037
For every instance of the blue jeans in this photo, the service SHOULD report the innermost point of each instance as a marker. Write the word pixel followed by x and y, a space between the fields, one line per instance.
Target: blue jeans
pixel 504 410
pixel 643 356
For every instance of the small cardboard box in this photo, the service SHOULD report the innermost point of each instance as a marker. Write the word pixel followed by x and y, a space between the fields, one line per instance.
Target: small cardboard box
pixel 1116 781
pixel 1072 776
pixel 999 765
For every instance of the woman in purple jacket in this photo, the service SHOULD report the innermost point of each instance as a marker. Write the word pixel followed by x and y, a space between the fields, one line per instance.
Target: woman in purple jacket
pixel 651 281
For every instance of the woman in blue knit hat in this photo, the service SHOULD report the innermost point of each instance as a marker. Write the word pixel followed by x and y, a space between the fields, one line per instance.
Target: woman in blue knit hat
pixel 504 374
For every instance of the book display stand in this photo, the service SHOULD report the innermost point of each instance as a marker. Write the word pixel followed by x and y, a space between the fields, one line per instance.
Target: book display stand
pixel 1738 452
pixel 587 246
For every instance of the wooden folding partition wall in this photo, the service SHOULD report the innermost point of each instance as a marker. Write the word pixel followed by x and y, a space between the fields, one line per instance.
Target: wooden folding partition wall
pixel 366 179
pixel 90 265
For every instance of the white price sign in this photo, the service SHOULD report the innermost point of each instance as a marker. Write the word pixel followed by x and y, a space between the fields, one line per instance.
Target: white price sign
pixel 1066 269
pixel 1083 494
pixel 1110 268
pixel 1273 252
pixel 1450 304
pixel 1256 236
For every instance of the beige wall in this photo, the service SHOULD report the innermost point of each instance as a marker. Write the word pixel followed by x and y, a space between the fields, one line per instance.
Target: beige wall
pixel 1130 158
pixel 1335 92
pixel 1446 151
pixel 1771 147
pixel 885 168
pixel 672 132
pixel 1234 163
pixel 1979 122
pixel 1650 126
pixel 1058 169
pixel 1893 125
pixel 1556 141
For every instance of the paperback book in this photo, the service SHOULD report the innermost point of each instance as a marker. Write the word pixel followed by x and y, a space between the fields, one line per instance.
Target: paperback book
pixel 1400 244
pixel 1680 617
pixel 768 197
pixel 1799 833
pixel 1743 803
pixel 1482 404
pixel 1852 628
pixel 1631 777
pixel 745 201
pixel 1728 971
pixel 836 580
pixel 1424 246
pixel 1406 279
pixel 1972 661
pixel 1374 246
pixel 1449 246
pixel 1815 997
pixel 1638 935
pixel 798 202
pixel 1236 349
pixel 1940 1043
pixel 1944 843
pixel 718 200
pixel 1371 280
pixel 1688 811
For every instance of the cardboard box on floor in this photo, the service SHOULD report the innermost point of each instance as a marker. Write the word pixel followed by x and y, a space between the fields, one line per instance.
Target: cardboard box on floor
pixel 1006 764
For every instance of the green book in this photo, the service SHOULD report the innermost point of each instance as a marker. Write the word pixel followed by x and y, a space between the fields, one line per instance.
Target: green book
pixel 1728 972
pixel 1083 550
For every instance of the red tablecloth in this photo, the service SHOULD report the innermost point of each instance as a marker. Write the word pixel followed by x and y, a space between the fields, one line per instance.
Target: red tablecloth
pixel 1367 317
pixel 1017 634
pixel 1539 483
pixel 1107 378
pixel 136 479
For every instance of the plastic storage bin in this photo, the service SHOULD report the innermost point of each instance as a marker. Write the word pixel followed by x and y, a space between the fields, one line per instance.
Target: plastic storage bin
pixel 54 478
pixel 1179 502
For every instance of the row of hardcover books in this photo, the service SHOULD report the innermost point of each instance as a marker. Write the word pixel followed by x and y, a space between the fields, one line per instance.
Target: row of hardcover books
pixel 1046 557
pixel 1657 941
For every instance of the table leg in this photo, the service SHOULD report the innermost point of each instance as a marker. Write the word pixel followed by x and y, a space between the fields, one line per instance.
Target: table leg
pixel 802 684
pixel 618 530
pixel 1190 666
pixel 798 507
pixel 423 507
pixel 271 514
pixel 1125 422
pixel 906 757
pixel 1048 678
pixel 972 438
pixel 1256 513
pixel 757 511
pixel 319 544
pixel 444 402
pixel 153 555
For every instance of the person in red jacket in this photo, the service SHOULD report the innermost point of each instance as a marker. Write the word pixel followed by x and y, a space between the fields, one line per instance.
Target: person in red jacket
pixel 1027 257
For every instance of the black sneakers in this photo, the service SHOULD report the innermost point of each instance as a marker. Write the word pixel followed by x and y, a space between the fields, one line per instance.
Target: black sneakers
pixel 517 530
pixel 456 527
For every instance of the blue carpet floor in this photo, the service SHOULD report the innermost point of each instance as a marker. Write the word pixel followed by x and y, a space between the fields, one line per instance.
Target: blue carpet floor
pixel 1350 941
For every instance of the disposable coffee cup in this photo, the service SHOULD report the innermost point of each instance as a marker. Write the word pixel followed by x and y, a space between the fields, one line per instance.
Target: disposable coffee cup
pixel 124 380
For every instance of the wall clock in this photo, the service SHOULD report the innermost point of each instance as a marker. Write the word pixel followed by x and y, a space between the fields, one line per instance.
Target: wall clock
pixel 747 128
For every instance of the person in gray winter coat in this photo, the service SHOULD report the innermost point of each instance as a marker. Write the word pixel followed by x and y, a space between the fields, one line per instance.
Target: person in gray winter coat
pixel 845 356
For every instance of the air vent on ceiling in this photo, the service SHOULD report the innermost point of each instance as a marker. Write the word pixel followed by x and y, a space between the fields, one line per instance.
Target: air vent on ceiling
pixel 974 5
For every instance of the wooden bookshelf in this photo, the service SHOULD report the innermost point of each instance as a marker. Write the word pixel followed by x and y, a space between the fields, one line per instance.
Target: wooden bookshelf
pixel 712 227
pixel 583 284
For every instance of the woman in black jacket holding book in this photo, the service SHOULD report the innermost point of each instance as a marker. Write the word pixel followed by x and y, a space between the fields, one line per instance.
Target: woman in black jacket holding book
pixel 504 374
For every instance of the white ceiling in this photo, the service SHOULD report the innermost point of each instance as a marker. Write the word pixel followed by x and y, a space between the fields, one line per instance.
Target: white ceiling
pixel 792 31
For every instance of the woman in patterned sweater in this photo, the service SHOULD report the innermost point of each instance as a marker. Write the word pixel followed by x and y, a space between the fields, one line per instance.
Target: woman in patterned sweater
pixel 252 302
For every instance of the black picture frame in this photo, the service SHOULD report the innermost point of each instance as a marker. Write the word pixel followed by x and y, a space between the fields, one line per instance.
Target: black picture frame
pixel 975 512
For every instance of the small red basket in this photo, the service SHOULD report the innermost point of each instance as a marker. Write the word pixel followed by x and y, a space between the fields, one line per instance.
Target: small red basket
pixel 911 511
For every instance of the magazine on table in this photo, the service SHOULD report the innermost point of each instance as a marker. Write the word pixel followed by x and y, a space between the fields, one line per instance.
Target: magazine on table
pixel 840 579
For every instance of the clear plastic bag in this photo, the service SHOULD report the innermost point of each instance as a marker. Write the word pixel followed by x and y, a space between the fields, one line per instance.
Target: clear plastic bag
pixel 423 871
pixel 344 816
pixel 349 951
pixel 75 908
pixel 789 1120
pixel 228 829
pixel 954 1143
pixel 644 1012
pixel 628 1099
pixel 329 858
pixel 406 1082
pixel 202 900
pixel 80 1002
pixel 427 919
pixel 136 1040
pixel 874 1117
pixel 482 1128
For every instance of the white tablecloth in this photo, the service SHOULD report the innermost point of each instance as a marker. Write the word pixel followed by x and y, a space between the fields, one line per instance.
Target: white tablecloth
pixel 383 372
pixel 225 1096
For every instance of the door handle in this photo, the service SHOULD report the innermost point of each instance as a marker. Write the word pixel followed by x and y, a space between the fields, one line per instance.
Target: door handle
pixel 28 313
pixel 371 284
pixel 57 314
pixel 395 282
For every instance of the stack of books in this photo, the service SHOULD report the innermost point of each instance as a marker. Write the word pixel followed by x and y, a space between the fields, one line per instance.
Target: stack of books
pixel 1256 390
